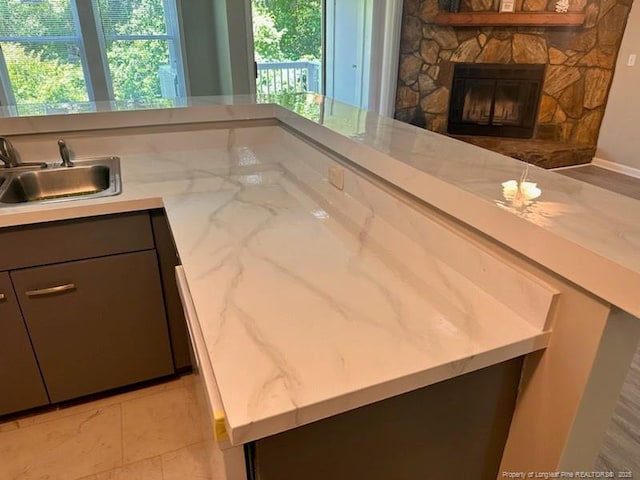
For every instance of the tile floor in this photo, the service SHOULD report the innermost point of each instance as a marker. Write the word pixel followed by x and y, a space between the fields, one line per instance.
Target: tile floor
pixel 147 434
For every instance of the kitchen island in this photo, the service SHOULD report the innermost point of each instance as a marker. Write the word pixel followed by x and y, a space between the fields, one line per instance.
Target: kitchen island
pixel 388 252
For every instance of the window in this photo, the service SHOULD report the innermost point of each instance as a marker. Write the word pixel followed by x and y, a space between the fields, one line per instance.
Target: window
pixel 142 47
pixel 42 58
pixel 58 52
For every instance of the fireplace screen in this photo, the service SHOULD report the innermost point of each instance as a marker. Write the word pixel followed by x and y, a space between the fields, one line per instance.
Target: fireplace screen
pixel 495 100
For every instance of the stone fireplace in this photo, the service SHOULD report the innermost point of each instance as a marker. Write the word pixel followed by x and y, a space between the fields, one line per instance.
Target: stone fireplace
pixel 575 62
pixel 494 100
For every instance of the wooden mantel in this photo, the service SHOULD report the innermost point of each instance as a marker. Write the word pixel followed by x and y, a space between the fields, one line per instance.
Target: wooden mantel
pixel 496 19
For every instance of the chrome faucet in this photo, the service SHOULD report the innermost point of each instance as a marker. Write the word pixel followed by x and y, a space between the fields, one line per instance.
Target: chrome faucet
pixel 8 153
pixel 10 158
pixel 64 153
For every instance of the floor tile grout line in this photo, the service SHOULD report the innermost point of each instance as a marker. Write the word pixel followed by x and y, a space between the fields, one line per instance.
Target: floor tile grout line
pixel 110 402
pixel 160 455
pixel 57 414
pixel 121 434
pixel 161 467
pixel 113 404
pixel 125 465
pixel 193 444
pixel 187 389
pixel 102 472
pixel 88 412
pixel 177 450
pixel 183 447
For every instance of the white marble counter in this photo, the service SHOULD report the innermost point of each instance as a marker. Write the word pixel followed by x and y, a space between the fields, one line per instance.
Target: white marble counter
pixel 585 234
pixel 313 300
pixel 306 305
pixel 303 319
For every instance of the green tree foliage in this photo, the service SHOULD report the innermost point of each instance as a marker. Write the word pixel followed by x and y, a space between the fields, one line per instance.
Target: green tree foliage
pixel 51 72
pixel 42 19
pixel 134 64
pixel 266 38
pixel 299 25
pixel 52 17
pixel 132 17
pixel 41 80
pixel 134 68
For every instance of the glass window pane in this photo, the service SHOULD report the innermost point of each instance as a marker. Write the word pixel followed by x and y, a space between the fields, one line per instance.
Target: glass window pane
pixel 42 52
pixel 47 73
pixel 142 49
pixel 36 18
pixel 140 69
pixel 132 17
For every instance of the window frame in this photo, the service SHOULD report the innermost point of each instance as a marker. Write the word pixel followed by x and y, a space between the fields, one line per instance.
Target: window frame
pixel 6 94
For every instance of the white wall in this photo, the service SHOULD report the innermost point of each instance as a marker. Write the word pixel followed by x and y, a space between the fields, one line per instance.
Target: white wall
pixel 347 58
pixel 216 51
pixel 199 51
pixel 619 139
pixel 362 52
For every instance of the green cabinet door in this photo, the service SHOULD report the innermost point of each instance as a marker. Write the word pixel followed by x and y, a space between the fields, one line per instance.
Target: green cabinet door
pixel 21 385
pixel 96 324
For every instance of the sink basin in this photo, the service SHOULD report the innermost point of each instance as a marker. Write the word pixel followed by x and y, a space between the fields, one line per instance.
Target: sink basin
pixel 86 179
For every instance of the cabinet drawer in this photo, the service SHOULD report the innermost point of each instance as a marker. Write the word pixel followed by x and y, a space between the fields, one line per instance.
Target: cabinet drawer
pixel 96 324
pixel 21 386
pixel 66 240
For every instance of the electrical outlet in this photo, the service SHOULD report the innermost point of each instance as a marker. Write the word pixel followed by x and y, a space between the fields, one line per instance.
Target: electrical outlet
pixel 632 60
pixel 336 177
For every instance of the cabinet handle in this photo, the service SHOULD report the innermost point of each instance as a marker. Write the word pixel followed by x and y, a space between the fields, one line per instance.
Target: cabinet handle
pixel 2 296
pixel 48 291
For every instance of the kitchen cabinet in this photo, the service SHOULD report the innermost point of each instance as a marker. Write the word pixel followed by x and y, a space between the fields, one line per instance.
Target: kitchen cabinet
pixel 452 429
pixel 96 324
pixel 20 381
pixel 84 310
pixel 66 240
pixel 168 260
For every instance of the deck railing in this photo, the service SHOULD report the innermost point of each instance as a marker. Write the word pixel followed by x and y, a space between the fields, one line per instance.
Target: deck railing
pixel 288 77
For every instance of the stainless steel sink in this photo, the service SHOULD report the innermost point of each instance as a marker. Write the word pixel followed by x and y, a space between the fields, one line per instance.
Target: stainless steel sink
pixel 86 179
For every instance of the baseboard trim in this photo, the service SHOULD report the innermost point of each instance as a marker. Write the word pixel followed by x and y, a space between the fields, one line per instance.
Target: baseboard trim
pixel 568 167
pixel 616 167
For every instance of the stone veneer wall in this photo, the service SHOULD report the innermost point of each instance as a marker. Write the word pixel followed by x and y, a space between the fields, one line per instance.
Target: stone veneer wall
pixel 580 63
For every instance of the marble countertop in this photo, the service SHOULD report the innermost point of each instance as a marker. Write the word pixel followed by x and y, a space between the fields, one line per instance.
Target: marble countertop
pixel 302 319
pixel 586 234
pixel 302 314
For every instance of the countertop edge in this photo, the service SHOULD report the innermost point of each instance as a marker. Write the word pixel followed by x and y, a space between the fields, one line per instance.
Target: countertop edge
pixel 375 393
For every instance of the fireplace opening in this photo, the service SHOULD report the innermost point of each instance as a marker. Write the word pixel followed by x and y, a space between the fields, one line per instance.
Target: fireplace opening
pixel 495 100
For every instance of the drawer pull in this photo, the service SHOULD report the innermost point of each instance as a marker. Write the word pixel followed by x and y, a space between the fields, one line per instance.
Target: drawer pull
pixel 48 291
pixel 2 296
